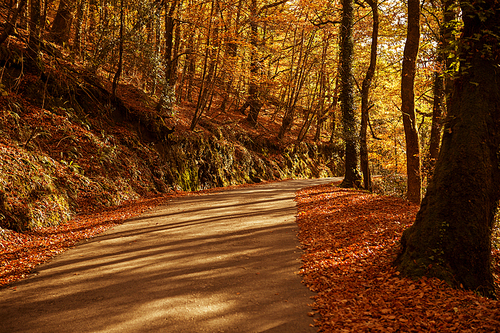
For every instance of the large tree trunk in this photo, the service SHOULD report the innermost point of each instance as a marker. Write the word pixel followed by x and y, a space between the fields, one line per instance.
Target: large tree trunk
pixel 437 111
pixel 62 22
pixel 451 236
pixel 351 176
pixel 442 86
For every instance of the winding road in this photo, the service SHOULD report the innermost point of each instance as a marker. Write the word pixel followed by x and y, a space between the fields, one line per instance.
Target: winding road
pixel 221 262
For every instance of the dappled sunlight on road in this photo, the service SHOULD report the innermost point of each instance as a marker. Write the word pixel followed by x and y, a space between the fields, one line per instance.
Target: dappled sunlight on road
pixel 223 262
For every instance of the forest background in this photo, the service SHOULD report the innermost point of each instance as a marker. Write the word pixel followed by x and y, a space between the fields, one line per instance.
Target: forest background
pixel 187 63
pixel 107 101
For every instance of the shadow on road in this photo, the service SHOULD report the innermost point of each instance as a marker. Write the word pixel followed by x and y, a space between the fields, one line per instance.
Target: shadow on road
pixel 223 262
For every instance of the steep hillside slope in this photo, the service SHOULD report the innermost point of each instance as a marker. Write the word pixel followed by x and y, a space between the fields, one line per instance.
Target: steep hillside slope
pixel 67 145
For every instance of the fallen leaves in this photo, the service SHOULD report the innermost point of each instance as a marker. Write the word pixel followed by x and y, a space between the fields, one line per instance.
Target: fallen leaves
pixel 350 239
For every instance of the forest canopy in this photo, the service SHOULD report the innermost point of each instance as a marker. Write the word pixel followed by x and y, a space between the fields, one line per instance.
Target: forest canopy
pixel 250 55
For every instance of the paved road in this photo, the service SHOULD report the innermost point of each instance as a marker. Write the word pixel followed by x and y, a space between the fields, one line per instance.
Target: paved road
pixel 223 262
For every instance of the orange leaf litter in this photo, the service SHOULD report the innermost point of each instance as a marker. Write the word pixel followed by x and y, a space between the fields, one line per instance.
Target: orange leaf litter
pixel 350 240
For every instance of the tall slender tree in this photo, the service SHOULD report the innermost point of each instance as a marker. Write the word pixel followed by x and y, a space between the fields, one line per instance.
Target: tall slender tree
pixel 365 98
pixel 351 176
pixel 11 19
pixel 408 102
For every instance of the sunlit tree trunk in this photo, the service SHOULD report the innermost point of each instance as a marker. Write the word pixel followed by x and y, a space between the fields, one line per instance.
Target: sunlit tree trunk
pixel 322 111
pixel 351 174
pixel 77 41
pixel 451 237
pixel 333 108
pixel 297 80
pixel 408 102
pixel 365 98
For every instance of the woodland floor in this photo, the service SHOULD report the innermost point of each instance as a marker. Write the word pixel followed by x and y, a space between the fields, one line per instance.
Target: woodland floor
pixel 349 239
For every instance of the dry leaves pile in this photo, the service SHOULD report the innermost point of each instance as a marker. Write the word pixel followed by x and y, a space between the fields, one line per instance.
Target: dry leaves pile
pixel 350 239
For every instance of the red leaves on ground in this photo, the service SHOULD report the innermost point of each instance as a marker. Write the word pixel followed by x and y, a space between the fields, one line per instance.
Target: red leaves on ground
pixel 350 239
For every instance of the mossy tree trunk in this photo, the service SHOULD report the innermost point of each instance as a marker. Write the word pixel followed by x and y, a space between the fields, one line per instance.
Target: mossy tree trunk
pixel 451 237
pixel 352 177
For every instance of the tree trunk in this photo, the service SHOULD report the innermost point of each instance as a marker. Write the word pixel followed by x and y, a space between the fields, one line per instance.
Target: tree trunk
pixel 437 111
pixel 35 30
pixel 442 82
pixel 351 177
pixel 254 102
pixel 333 109
pixel 118 73
pixel 77 41
pixel 168 92
pixel 62 22
pixel 451 236
pixel 365 98
pixel 408 102
pixel 9 24
pixel 322 111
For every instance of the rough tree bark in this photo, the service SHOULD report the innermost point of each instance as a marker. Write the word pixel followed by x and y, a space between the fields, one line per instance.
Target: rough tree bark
pixel 35 30
pixel 365 97
pixel 62 22
pixel 77 40
pixel 451 237
pixel 351 176
pixel 441 81
pixel 408 102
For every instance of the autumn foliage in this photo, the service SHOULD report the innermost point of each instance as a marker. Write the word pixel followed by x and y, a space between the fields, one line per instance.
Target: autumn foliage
pixel 350 239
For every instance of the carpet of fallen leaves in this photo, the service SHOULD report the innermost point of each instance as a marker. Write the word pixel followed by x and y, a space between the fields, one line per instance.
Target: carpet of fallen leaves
pixel 350 239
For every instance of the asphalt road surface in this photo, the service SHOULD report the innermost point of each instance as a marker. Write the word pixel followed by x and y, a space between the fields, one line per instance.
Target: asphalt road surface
pixel 222 262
